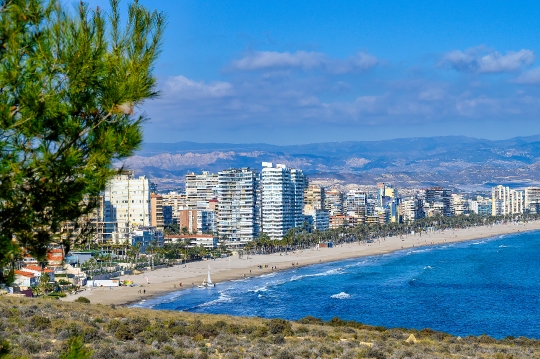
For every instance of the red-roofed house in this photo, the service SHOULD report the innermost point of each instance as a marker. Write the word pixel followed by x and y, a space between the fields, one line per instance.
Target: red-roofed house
pixel 36 271
pixel 55 257
pixel 25 279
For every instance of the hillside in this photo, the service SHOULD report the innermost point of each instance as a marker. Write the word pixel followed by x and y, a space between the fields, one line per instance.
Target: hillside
pixel 411 162
pixel 50 329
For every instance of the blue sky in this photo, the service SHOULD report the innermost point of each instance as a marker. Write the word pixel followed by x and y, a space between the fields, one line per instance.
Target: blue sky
pixel 287 72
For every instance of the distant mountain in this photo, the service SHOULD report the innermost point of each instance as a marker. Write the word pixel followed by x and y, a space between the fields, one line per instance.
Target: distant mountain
pixel 411 162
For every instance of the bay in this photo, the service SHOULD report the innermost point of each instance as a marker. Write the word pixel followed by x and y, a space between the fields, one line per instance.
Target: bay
pixel 489 286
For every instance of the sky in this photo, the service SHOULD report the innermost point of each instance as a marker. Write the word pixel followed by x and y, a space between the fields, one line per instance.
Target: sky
pixel 295 72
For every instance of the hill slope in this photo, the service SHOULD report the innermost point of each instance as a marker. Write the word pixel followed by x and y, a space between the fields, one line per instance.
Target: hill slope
pixel 417 162
pixel 46 329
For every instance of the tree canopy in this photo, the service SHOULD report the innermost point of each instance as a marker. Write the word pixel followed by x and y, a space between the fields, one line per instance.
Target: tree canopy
pixel 70 79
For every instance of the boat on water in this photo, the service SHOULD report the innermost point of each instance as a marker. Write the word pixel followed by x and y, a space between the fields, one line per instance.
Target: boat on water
pixel 207 283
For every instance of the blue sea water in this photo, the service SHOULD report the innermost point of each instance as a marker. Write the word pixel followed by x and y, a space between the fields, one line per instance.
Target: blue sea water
pixel 489 286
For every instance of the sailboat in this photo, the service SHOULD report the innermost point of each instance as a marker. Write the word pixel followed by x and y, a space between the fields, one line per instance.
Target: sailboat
pixel 207 283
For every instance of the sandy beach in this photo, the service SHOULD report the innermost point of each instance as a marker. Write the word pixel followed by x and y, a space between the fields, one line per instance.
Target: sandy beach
pixel 162 281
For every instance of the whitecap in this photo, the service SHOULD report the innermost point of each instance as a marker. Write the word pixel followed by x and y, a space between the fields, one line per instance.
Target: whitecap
pixel 223 298
pixel 428 267
pixel 341 295
pixel 322 274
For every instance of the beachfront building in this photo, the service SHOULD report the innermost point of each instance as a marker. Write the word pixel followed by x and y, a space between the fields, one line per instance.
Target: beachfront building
pixel 156 211
pixel 506 201
pixel 532 199
pixel 125 205
pixel 333 202
pixel 459 204
pixel 314 197
pixel 200 189
pixel 143 237
pixel 239 209
pixel 299 183
pixel 282 199
pixel 355 204
pixel 172 203
pixel 319 219
pixel 480 205
pixel 410 209
pixel 438 200
pixel 187 221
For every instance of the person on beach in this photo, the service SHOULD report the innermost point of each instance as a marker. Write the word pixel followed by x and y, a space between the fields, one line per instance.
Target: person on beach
pixel 180 284
pixel 144 291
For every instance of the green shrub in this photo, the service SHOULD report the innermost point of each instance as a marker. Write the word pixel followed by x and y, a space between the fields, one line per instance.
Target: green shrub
pixel 123 332
pixel 40 322
pixel 311 320
pixel 337 322
pixel 82 300
pixel 138 324
pixel 4 348
pixel 280 326
pixel 76 350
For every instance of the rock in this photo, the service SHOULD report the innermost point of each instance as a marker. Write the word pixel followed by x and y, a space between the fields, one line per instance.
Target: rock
pixel 411 339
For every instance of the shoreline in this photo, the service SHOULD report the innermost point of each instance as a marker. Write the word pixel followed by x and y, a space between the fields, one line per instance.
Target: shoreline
pixel 163 281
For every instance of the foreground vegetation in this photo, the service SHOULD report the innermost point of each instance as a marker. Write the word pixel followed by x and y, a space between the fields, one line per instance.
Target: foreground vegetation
pixel 41 328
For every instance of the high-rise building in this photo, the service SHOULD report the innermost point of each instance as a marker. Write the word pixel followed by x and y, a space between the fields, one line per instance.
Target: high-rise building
pixel 282 193
pixel 480 205
pixel 187 221
pixel 355 204
pixel 200 189
pixel 126 204
pixel 314 197
pixel 239 212
pixel 177 202
pixel 156 211
pixel 440 199
pixel 410 209
pixel 532 199
pixel 506 201
pixel 299 184
pixel 319 219
pixel 459 204
pixel 333 202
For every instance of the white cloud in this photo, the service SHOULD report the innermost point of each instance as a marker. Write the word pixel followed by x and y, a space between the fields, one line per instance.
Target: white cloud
pixel 180 87
pixel 264 60
pixel 481 61
pixel 529 77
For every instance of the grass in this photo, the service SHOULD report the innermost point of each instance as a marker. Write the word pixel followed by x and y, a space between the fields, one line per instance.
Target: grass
pixel 41 328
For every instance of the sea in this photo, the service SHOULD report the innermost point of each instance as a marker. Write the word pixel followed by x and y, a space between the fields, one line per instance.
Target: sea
pixel 489 286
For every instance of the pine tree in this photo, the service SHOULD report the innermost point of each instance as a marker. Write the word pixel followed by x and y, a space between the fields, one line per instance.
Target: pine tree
pixel 69 83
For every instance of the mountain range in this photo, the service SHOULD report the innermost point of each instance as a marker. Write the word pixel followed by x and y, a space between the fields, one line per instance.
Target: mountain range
pixel 450 161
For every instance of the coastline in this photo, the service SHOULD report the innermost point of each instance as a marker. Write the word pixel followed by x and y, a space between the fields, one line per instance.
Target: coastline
pixel 162 281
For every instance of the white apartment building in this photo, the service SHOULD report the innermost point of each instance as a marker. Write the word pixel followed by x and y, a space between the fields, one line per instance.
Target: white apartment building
pixel 459 204
pixel 506 201
pixel 126 204
pixel 356 203
pixel 282 199
pixel 409 209
pixel 200 189
pixel 238 214
pixel 482 206
pixel 532 199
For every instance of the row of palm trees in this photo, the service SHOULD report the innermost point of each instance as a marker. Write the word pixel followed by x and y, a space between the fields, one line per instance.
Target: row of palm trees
pixel 297 238
pixel 303 237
